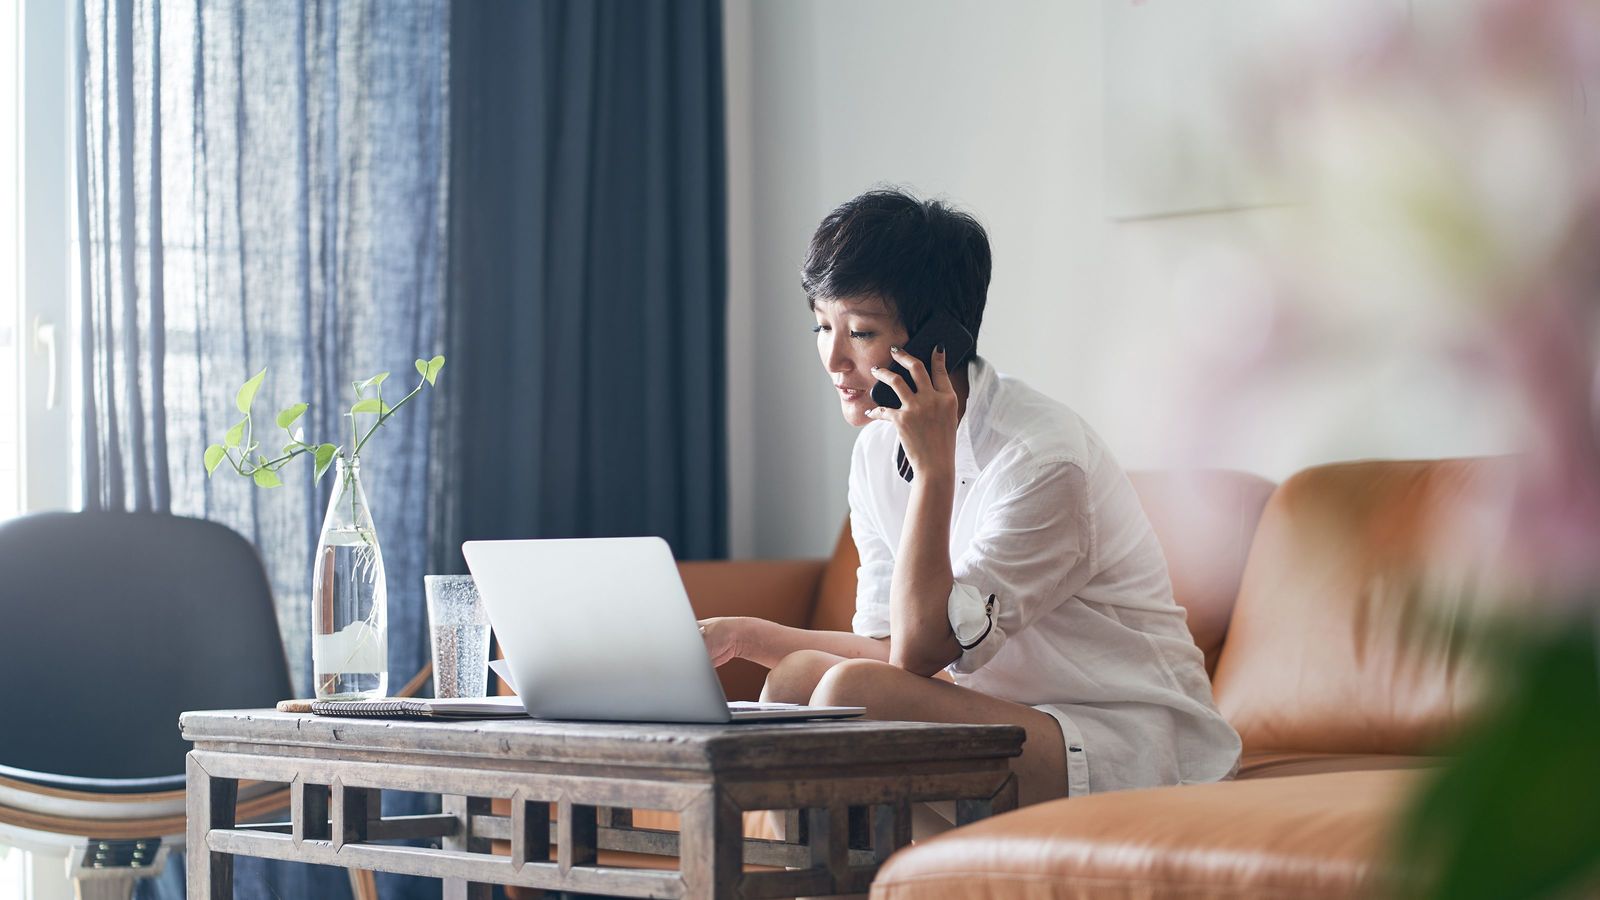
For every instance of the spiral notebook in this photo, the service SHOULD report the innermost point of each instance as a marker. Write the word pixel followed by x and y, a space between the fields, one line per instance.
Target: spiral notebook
pixel 424 708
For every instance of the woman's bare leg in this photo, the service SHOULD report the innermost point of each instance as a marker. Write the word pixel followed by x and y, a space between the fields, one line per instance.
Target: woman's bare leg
pixel 890 692
pixel 795 676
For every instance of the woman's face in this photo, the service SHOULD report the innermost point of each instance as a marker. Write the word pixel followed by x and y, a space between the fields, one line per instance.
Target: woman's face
pixel 853 335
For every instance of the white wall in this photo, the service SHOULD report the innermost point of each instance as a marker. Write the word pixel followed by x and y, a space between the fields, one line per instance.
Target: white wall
pixel 1000 107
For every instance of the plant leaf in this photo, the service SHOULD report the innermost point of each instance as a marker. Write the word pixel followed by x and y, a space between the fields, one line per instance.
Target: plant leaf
pixel 434 365
pixel 214 457
pixel 247 394
pixel 324 457
pixel 363 386
pixel 292 446
pixel 289 415
pixel 235 434
pixel 422 368
pixel 267 478
pixel 1530 760
pixel 369 405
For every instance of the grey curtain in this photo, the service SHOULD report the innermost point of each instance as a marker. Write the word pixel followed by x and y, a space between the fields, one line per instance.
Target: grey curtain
pixel 262 184
pixel 587 260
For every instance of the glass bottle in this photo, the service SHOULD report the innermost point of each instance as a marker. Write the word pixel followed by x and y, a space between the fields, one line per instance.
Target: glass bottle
pixel 349 597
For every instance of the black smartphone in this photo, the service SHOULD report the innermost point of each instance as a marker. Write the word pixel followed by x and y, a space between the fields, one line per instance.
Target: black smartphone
pixel 941 329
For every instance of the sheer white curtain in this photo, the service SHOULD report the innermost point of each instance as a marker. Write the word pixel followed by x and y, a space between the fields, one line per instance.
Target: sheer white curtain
pixel 262 184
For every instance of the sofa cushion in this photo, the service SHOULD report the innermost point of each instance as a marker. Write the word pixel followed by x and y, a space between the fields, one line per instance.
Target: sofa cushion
pixel 1335 645
pixel 1301 836
pixel 1278 763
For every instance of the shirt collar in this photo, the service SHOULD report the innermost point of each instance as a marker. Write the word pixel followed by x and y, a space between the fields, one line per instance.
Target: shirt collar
pixel 982 384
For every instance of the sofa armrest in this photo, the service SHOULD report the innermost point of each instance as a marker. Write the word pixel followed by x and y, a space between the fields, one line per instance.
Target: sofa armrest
pixel 783 591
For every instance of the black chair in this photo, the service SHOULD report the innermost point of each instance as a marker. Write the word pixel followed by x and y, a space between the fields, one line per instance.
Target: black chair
pixel 111 624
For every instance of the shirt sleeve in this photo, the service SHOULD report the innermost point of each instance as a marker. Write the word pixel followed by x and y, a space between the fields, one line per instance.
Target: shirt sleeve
pixel 1031 551
pixel 877 559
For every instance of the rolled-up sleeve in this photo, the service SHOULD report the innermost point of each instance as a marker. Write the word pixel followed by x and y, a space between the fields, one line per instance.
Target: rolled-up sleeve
pixel 877 559
pixel 1032 551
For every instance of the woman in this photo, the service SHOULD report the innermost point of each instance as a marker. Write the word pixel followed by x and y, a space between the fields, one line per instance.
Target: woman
pixel 1016 559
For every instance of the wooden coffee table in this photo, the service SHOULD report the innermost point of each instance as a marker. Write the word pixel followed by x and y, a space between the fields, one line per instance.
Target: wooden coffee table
pixel 846 785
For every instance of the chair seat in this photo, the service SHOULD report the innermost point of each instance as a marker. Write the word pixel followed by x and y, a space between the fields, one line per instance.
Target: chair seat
pixel 95 785
pixel 1296 836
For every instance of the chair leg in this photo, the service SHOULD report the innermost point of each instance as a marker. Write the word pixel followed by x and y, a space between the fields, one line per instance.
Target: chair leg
pixel 363 884
pixel 105 887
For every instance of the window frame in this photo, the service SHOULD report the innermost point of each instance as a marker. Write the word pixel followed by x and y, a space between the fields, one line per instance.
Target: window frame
pixel 47 345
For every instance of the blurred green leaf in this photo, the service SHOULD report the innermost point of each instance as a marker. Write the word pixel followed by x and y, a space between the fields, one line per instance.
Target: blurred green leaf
pixel 288 416
pixel 369 405
pixel 235 434
pixel 214 456
pixel 434 365
pixel 422 368
pixel 324 456
pixel 267 478
pixel 292 446
pixel 1516 810
pixel 247 394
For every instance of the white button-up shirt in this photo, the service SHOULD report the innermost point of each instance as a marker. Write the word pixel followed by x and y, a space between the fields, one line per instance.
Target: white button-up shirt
pixel 1061 600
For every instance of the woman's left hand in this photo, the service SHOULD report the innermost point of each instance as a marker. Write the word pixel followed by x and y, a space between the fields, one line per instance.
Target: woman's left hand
pixel 927 418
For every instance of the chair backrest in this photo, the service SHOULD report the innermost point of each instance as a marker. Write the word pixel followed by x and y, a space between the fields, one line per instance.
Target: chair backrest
pixel 113 623
pixel 1204 519
pixel 1331 648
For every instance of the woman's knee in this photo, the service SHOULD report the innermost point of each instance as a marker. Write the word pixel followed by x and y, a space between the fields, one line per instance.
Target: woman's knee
pixel 795 676
pixel 855 682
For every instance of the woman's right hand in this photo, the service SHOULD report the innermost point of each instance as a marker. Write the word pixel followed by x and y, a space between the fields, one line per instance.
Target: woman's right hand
pixel 724 637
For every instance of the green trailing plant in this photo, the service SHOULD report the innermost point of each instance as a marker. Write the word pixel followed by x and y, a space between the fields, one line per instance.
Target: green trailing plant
pixel 241 447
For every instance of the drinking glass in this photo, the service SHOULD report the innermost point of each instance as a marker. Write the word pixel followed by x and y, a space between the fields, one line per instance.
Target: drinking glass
pixel 460 631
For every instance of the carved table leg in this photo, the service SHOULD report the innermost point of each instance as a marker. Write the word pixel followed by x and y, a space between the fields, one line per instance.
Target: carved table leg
pixel 211 804
pixel 464 808
pixel 711 855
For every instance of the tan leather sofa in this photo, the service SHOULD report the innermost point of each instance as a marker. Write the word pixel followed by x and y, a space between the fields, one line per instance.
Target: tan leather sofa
pixel 1337 692
pixel 1301 597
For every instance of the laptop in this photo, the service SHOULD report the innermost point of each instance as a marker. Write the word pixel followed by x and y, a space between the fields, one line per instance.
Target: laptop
pixel 601 629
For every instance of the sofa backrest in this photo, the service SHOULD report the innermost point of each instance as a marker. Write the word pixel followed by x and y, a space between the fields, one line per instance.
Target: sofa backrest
pixel 1204 520
pixel 836 596
pixel 1334 645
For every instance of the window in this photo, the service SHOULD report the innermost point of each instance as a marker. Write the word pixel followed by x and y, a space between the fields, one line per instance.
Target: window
pixel 10 278
pixel 36 218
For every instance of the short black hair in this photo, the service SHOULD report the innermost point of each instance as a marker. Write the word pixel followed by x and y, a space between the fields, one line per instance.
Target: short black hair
pixel 918 256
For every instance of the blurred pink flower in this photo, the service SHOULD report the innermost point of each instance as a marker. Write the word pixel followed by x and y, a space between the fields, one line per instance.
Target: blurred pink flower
pixel 1449 160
